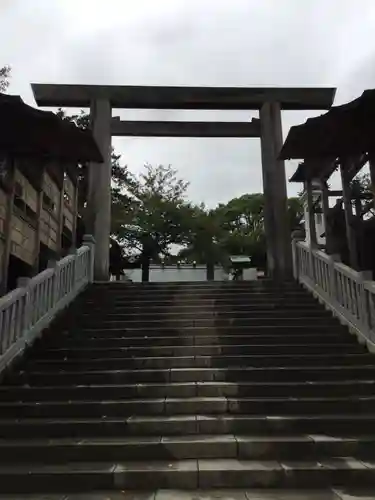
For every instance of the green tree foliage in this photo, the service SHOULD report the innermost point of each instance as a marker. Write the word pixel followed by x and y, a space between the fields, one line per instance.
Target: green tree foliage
pixel 235 228
pixel 5 72
pixel 152 203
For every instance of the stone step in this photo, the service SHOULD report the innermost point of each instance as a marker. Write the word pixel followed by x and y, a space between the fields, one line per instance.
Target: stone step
pixel 186 474
pixel 192 293
pixel 153 330
pixel 207 313
pixel 332 426
pixel 196 350
pixel 187 406
pixel 188 389
pixel 159 304
pixel 163 301
pixel 182 285
pixel 233 374
pixel 242 447
pixel 200 306
pixel 214 322
pixel 123 339
pixel 219 361
pixel 186 289
pixel 346 493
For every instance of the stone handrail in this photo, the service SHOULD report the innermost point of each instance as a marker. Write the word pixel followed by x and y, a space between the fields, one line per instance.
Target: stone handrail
pixel 27 310
pixel 349 294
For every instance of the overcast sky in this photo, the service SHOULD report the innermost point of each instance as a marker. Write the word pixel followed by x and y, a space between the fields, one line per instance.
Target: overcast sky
pixel 193 42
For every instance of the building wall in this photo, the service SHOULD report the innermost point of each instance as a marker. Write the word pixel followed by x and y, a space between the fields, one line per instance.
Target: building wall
pixel 23 220
pixel 69 205
pixel 23 240
pixel 3 217
pixel 33 212
pixel 50 213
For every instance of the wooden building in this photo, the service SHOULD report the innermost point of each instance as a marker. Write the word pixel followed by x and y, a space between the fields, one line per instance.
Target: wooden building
pixel 342 139
pixel 41 158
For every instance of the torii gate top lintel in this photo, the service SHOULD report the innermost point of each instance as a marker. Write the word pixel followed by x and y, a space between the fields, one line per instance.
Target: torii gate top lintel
pixel 159 97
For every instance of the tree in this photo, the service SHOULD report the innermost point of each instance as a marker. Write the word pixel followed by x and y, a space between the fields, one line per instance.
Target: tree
pixel 243 223
pixel 153 203
pixel 5 72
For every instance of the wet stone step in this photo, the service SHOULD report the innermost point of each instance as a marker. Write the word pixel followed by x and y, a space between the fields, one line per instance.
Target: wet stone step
pixel 187 290
pixel 187 389
pixel 206 313
pixel 161 362
pixel 196 331
pixel 332 426
pixel 239 374
pixel 124 339
pixel 195 405
pixel 266 321
pixel 217 494
pixel 136 448
pixel 202 306
pixel 186 474
pixel 205 297
pixel 196 350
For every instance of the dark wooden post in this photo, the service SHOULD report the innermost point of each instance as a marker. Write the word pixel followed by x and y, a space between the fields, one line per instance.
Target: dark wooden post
pixel 348 209
pixel 310 208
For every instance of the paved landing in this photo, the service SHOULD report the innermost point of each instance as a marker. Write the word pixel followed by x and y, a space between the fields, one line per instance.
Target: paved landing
pixel 336 494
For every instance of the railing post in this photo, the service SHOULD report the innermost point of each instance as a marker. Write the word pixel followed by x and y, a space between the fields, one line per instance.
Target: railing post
pixel 73 277
pixel 332 281
pixel 89 240
pixel 52 264
pixel 365 303
pixel 25 320
pixel 296 237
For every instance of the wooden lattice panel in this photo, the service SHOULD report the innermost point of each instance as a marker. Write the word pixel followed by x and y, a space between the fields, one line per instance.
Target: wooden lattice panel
pixel 23 240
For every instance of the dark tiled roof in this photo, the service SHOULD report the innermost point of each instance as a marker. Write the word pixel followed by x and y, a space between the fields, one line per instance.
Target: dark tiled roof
pixel 343 131
pixel 28 131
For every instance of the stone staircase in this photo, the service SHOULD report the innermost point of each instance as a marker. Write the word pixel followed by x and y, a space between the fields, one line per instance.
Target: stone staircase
pixel 249 389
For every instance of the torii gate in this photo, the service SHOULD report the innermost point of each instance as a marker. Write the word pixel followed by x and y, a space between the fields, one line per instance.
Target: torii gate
pixel 268 100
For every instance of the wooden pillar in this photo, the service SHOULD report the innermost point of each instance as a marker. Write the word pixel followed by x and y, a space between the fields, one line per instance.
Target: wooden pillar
pixel 38 227
pixel 372 176
pixel 8 231
pixel 358 207
pixel 325 210
pixel 311 214
pixel 61 218
pixel 75 215
pixel 348 209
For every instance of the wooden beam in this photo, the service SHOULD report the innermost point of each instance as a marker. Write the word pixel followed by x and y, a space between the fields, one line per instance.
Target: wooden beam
pixel 335 192
pixel 185 128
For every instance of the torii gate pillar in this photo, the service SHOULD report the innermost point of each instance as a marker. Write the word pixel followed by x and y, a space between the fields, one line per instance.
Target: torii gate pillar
pixel 98 215
pixel 278 239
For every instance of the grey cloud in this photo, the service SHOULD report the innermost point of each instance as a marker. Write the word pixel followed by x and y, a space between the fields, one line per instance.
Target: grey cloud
pixel 180 42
